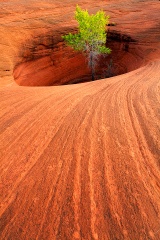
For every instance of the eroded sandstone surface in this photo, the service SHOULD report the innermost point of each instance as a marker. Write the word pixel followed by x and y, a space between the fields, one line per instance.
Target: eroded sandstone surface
pixel 79 161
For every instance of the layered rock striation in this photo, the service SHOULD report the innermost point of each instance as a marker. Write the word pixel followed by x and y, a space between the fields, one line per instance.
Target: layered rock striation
pixel 79 161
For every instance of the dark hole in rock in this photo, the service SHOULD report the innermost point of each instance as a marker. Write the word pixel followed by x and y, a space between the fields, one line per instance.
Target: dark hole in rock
pixel 46 60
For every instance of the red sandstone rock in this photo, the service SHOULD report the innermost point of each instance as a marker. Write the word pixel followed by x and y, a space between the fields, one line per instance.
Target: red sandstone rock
pixel 78 161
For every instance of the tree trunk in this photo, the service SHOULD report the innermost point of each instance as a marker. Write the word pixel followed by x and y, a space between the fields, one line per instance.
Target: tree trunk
pixel 92 65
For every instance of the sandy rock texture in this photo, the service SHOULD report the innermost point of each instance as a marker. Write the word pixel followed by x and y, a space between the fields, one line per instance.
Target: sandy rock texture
pixel 79 161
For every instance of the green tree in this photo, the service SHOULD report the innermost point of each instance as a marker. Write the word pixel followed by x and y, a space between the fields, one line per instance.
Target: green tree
pixel 91 36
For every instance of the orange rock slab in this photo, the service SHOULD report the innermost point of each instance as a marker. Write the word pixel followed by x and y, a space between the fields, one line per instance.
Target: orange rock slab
pixel 79 161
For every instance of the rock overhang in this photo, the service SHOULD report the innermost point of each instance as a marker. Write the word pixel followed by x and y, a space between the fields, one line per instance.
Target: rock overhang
pixel 46 60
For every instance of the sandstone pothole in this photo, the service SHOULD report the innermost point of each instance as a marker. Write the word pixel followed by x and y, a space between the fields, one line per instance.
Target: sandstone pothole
pixel 46 60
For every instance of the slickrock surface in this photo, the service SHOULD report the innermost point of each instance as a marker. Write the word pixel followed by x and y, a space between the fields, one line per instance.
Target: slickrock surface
pixel 79 161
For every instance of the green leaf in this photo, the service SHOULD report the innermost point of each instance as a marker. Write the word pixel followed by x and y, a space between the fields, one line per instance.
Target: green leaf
pixel 91 37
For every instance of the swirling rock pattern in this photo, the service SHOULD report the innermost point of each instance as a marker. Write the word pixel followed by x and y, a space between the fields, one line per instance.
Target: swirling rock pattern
pixel 80 161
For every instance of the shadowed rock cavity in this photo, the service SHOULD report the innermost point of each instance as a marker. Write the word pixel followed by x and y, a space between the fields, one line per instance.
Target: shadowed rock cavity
pixel 46 60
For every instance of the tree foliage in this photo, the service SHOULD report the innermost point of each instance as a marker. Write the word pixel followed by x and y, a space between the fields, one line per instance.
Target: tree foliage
pixel 91 36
